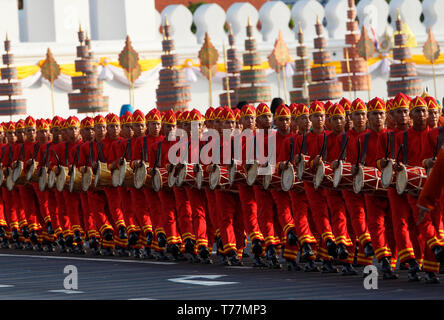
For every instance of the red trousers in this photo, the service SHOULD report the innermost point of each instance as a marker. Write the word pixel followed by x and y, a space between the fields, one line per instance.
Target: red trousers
pixel 212 212
pixel 184 214
pixel 128 210
pixel 27 198
pixel 96 201
pixel 115 206
pixel 169 223
pixel 10 209
pixel 65 222
pixel 355 205
pixel 3 222
pixel 249 212
pixel 379 221
pixel 89 224
pixel 265 216
pixel 198 205
pixel 73 209
pixel 155 210
pixel 141 210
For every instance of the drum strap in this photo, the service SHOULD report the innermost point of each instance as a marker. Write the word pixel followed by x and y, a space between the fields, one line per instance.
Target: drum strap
pixel 128 150
pixel 290 159
pixel 66 153
pixel 358 145
pixel 56 156
pixel 323 152
pixel 36 150
pixel 406 148
pixel 145 149
pixel 22 152
pixel 76 156
pixel 253 147
pixel 91 153
pixel 344 143
pixel 392 145
pixel 100 153
pixel 3 154
pixel 439 141
pixel 158 154
pixel 10 154
pixel 365 147
pixel 47 155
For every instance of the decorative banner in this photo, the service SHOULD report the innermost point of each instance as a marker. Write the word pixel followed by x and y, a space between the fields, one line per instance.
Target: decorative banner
pixel 366 47
pixel 431 48
pixel 50 71
pixel 129 61
pixel 280 54
pixel 208 56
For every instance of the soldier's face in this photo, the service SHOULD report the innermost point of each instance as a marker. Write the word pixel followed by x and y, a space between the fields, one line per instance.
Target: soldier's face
pixel 359 119
pixel 127 131
pixel 20 133
pixel 419 116
pixel 376 120
pixel 100 131
pixel 154 128
pixel 317 120
pixel 303 122
pixel 167 128
pixel 337 124
pixel 401 116
pixel 283 124
pixel 139 129
pixel 229 125
pixel 87 134
pixel 56 135
pixel 113 130
pixel 264 121
pixel 433 118
pixel 73 133
pixel 30 134
pixel 11 137
pixel 209 124
pixel 43 136
pixel 248 122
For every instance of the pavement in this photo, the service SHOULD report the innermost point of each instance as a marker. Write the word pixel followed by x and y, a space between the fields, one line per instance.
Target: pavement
pixel 30 275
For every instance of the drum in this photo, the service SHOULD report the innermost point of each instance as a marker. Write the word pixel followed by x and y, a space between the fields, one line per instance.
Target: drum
pixel 303 172
pixel 288 178
pixel 43 178
pixel 202 177
pixel 186 176
pixel 75 180
pixel 219 177
pixel 87 178
pixel 102 176
pixel 237 175
pixel 367 180
pixel 51 179
pixel 172 177
pixel 160 178
pixel 115 177
pixel 323 176
pixel 252 174
pixel 272 180
pixel 387 175
pixel 19 174
pixel 126 174
pixel 342 177
pixel 9 180
pixel 141 177
pixel 410 179
pixel 62 179
pixel 31 173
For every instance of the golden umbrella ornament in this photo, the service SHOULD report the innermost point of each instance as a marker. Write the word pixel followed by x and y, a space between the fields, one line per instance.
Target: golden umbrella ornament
pixel 50 71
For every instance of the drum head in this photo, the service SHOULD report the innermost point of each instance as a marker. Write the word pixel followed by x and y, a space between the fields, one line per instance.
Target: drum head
pixel 319 176
pixel 300 169
pixel 51 179
pixel 30 171
pixel 231 174
pixel 401 180
pixel 122 172
pixel 61 179
pixel 180 177
pixel 266 181
pixel 97 175
pixel 199 177
pixel 9 180
pixel 338 175
pixel 172 178
pixel 72 178
pixel 139 176
pixel 2 176
pixel 214 178
pixel 157 180
pixel 17 171
pixel 287 179
pixel 43 178
pixel 87 179
pixel 358 180
pixel 387 175
pixel 115 178
pixel 252 174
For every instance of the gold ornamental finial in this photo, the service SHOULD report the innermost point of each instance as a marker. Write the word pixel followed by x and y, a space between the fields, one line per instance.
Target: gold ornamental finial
pixel 166 21
pixel 398 14
pixel 230 29
pixel 249 21
pixel 317 20
pixel 299 27
pixel 7 37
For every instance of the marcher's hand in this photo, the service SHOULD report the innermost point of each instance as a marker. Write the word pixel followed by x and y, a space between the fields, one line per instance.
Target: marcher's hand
pixel 355 169
pixel 297 159
pixel 422 213
pixel 429 163
pixel 398 167
pixel 317 161
pixel 384 162
pixel 284 165
pixel 334 165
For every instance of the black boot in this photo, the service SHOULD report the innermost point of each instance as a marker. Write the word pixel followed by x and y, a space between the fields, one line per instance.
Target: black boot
pixel 121 251
pixel 174 250
pixel 327 267
pixel 413 271
pixel 257 247
pixel 50 229
pixel 431 278
pixel 332 248
pixel 38 247
pixel 78 237
pixel 108 252
pixel 108 235
pixel 25 232
pixel 69 243
pixel 311 267
pixel 245 254
pixel 28 246
pixel 147 253
pixel 61 243
pixel 149 238
pixel 403 266
pixel 2 232
pixel 308 251
pixel 342 252
pixel 136 253
pixel 273 257
pixel 33 237
pixel 293 266
pixel 94 246
pixel 161 256
pixel 122 233
pixel 50 247
pixel 348 270
pixel 387 270
pixel 438 251
pixel 204 255
pixel 292 238
pixel 4 244
pixel 259 262
pixel 15 234
pixel 234 260
pixel 189 246
pixel 368 250
pixel 161 240
pixel 133 238
pixel 79 249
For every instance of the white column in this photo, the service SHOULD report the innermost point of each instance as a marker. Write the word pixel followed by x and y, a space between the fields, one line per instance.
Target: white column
pixel 373 13
pixel 410 11
pixel 237 15
pixel 275 16
pixel 210 18
pixel 180 20
pixel 306 12
pixel 9 20
pixel 336 14
pixel 115 19
pixel 51 20
pixel 433 17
